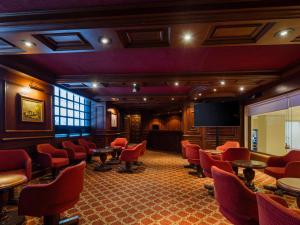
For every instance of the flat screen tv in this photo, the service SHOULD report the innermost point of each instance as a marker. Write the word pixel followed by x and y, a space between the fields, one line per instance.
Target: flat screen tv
pixel 217 114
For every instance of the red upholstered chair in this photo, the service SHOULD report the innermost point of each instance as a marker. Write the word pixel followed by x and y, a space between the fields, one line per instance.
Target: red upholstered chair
pixel 75 152
pixel 193 157
pixel 284 166
pixel 273 210
pixel 89 147
pixel 232 154
pixel 207 162
pixel 142 152
pixel 120 142
pixel 236 202
pixel 49 200
pixel 184 143
pixel 129 156
pixel 50 157
pixel 228 144
pixel 15 162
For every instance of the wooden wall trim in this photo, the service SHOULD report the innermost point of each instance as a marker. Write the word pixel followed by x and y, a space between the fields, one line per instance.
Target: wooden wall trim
pixel 26 138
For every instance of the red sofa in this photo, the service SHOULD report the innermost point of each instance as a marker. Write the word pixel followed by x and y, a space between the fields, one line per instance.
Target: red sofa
pixel 236 202
pixel 273 210
pixel 49 200
pixel 75 152
pixel 284 166
pixel 50 157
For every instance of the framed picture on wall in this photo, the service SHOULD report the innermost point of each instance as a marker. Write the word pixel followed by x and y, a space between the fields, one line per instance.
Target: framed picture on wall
pixel 114 120
pixel 32 110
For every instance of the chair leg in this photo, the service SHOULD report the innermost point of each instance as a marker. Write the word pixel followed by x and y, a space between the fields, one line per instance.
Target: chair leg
pixel 198 172
pixel 210 189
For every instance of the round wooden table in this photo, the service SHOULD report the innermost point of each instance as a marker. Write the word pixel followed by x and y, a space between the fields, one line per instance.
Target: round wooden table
pixel 103 152
pixel 291 186
pixel 249 173
pixel 9 181
pixel 115 156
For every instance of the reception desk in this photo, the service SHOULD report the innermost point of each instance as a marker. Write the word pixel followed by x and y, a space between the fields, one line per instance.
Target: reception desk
pixel 164 140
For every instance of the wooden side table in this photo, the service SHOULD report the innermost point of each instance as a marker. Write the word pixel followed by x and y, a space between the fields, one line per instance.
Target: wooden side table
pixel 8 181
pixel 103 152
pixel 290 186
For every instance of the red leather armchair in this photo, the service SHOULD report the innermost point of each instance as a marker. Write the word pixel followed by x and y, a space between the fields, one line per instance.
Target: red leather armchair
pixel 129 156
pixel 228 144
pixel 89 147
pixel 15 162
pixel 49 200
pixel 184 143
pixel 236 202
pixel 75 152
pixel 50 157
pixel 193 157
pixel 207 162
pixel 284 166
pixel 120 142
pixel 273 210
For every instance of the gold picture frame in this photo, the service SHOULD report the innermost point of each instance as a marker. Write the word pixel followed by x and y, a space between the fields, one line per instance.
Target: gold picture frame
pixel 114 120
pixel 32 110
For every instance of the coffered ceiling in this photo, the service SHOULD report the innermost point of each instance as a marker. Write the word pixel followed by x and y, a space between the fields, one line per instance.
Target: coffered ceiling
pixel 213 48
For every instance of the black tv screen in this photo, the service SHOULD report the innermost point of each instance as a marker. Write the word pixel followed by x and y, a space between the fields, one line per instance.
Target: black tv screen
pixel 217 114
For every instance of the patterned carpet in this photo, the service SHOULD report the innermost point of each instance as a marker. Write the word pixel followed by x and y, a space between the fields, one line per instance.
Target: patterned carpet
pixel 161 193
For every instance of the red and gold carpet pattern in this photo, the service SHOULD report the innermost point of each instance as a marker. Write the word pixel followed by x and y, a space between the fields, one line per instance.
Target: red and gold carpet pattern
pixel 161 193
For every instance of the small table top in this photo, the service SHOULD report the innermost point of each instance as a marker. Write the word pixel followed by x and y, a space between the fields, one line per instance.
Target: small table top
pixel 10 180
pixel 253 164
pixel 213 151
pixel 103 150
pixel 289 184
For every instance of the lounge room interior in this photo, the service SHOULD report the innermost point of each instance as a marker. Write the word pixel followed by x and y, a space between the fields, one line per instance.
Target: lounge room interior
pixel 149 112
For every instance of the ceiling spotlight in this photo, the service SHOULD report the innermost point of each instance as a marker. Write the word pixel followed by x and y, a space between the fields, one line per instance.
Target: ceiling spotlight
pixel 242 88
pixel 28 44
pixel 135 88
pixel 105 40
pixel 94 85
pixel 195 99
pixel 215 90
pixel 144 99
pixel 176 83
pixel 284 33
pixel 222 82
pixel 187 37
pixel 172 99
pixel 200 94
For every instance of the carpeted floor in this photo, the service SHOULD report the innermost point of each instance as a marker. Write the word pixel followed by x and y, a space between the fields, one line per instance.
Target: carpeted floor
pixel 161 192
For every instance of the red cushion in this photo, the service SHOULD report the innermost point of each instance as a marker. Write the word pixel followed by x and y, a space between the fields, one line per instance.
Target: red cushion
pixel 277 172
pixel 59 162
pixel 79 155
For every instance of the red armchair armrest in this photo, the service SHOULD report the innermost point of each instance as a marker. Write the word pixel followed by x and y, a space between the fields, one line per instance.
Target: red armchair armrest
pixel 129 155
pixel 223 165
pixel 45 159
pixel 60 153
pixel 276 161
pixel 293 169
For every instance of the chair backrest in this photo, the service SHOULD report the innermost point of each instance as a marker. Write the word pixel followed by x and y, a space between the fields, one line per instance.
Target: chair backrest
pixel 184 143
pixel 45 148
pixel 237 203
pixel 293 155
pixel 229 144
pixel 232 154
pixel 192 151
pixel 122 142
pixel 131 154
pixel 273 213
pixel 207 162
pixel 68 144
pixel 144 147
pixel 55 197
pixel 13 159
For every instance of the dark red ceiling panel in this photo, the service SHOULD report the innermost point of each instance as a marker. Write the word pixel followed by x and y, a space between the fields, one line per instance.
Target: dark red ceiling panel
pixel 206 59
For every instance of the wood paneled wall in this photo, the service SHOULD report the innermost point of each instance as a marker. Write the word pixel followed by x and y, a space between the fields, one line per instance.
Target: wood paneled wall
pixel 206 137
pixel 14 133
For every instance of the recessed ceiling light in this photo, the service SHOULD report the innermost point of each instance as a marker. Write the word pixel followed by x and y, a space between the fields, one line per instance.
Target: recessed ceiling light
pixel 187 37
pixel 195 98
pixel 134 84
pixel 200 94
pixel 105 40
pixel 144 99
pixel 176 83
pixel 215 90
pixel 28 44
pixel 94 85
pixel 222 82
pixel 172 99
pixel 242 88
pixel 284 33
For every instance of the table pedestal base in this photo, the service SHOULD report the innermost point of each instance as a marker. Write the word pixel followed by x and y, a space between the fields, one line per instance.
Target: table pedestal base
pixel 102 168
pixel 249 174
pixel 11 218
pixel 113 161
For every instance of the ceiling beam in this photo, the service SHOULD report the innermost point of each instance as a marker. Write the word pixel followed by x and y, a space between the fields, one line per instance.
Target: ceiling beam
pixel 149 14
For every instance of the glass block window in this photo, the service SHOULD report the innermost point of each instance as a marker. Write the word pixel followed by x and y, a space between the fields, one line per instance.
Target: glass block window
pixel 71 111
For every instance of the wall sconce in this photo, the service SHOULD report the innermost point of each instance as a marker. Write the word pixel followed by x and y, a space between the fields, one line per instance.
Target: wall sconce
pixel 35 87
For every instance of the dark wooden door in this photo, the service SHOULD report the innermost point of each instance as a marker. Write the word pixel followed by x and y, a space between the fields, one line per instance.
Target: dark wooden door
pixel 135 128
